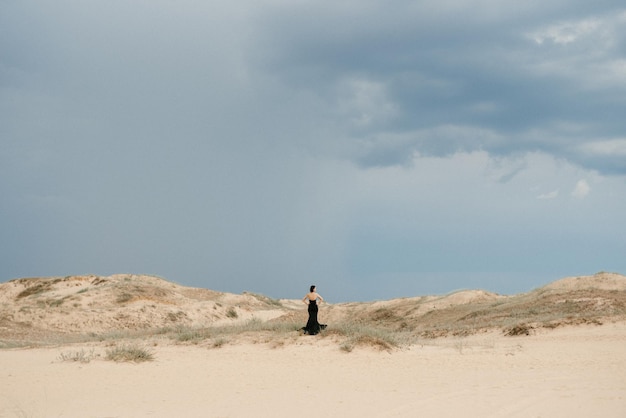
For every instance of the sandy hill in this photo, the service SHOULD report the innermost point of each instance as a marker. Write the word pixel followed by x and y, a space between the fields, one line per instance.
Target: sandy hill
pixel 94 304
pixel 35 308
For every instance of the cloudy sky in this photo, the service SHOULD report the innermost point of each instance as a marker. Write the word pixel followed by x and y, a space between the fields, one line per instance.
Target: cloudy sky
pixel 377 149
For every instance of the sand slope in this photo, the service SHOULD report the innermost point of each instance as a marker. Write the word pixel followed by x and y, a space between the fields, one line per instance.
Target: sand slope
pixel 36 307
pixel 557 351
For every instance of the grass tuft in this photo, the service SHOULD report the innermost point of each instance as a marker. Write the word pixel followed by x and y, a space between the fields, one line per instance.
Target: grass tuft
pixel 192 335
pixel 129 353
pixel 80 356
pixel 520 329
pixel 219 342
pixel 124 297
pixel 360 335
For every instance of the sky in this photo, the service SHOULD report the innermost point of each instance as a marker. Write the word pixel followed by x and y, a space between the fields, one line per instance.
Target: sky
pixel 376 149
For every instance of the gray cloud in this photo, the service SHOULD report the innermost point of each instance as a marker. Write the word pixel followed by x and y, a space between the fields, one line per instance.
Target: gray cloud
pixel 260 145
pixel 510 70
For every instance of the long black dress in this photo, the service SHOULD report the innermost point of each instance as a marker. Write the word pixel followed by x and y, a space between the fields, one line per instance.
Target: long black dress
pixel 312 326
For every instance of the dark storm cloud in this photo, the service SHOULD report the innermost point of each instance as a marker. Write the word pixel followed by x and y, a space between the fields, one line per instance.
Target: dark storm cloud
pixel 498 67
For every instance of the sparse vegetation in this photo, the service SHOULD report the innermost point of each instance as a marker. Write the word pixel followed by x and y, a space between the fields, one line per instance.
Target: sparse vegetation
pixel 175 316
pixel 80 356
pixel 219 342
pixel 359 335
pixel 521 329
pixel 129 353
pixel 192 335
pixel 124 297
pixel 384 314
pixel 347 347
pixel 36 286
pixel 160 312
pixel 57 302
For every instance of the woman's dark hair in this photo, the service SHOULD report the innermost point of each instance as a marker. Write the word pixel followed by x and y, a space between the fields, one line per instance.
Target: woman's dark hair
pixel 312 287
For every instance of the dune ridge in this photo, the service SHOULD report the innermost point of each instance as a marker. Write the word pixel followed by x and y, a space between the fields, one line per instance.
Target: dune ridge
pixel 35 308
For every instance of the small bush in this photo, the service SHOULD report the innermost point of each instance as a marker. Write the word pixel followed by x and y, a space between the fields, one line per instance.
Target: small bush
pixel 346 347
pixel 521 329
pixel 132 353
pixel 124 297
pixel 175 317
pixel 219 342
pixel 232 313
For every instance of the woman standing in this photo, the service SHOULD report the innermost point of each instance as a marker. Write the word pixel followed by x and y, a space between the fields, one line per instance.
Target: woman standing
pixel 312 326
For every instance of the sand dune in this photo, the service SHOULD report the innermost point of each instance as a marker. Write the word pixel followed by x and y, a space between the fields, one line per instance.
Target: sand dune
pixel 34 308
pixel 557 351
pixel 93 304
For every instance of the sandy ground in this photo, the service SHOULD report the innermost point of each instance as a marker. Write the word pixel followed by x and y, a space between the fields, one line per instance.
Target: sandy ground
pixel 570 372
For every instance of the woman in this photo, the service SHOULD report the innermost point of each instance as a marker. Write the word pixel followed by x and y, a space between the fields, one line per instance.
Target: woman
pixel 312 326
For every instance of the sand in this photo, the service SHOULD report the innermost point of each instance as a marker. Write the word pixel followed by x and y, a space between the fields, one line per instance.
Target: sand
pixel 568 372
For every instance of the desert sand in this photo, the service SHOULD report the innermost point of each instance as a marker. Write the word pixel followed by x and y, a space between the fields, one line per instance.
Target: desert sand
pixel 567 365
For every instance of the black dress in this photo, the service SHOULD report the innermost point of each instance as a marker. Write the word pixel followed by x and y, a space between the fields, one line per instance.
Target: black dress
pixel 312 326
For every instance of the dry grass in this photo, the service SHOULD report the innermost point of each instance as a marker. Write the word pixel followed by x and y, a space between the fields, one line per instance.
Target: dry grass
pixel 192 335
pixel 80 356
pixel 129 353
pixel 538 309
pixel 254 330
pixel 352 334
pixel 274 333
pixel 36 286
